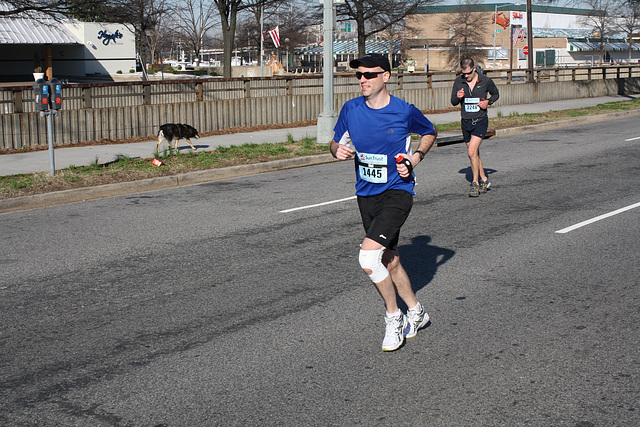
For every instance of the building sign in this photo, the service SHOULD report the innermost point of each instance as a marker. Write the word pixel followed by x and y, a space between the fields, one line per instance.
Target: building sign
pixel 517 16
pixel 107 38
pixel 499 54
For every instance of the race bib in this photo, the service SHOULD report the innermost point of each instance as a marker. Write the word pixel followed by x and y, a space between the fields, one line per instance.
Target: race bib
pixel 372 167
pixel 471 105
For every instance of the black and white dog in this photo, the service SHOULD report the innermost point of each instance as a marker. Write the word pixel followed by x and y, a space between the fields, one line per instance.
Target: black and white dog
pixel 174 132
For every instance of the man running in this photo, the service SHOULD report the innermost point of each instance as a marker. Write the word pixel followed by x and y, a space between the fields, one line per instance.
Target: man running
pixel 376 128
pixel 469 90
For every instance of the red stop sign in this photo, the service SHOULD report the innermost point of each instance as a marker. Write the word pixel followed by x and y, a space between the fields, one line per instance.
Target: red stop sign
pixel 525 50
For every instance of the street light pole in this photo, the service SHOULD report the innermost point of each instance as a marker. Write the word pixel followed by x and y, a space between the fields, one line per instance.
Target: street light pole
pixel 495 28
pixel 328 117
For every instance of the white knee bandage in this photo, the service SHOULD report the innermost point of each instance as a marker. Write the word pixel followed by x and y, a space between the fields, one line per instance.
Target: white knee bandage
pixel 372 261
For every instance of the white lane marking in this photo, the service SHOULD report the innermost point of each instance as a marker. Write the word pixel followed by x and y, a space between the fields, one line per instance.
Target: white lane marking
pixel 598 218
pixel 632 139
pixel 319 204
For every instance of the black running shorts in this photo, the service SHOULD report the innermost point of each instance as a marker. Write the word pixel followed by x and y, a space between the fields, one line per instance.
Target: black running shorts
pixel 478 128
pixel 384 214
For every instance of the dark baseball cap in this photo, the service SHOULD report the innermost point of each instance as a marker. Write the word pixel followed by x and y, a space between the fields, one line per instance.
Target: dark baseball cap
pixel 371 60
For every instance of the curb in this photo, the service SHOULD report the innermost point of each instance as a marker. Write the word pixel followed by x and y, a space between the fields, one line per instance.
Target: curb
pixel 109 190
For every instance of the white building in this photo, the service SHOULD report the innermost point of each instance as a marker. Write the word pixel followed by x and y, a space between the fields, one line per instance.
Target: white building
pixel 63 50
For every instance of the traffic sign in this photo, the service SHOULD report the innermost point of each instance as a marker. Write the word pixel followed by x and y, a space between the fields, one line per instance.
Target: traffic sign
pixel 525 50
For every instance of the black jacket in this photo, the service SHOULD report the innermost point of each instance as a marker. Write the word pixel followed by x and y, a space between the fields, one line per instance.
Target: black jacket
pixel 469 104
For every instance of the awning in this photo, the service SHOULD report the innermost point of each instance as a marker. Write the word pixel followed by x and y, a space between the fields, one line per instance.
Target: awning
pixel 595 47
pixel 343 47
pixel 32 31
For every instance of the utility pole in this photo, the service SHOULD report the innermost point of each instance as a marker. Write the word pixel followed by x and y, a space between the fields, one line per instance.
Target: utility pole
pixel 530 42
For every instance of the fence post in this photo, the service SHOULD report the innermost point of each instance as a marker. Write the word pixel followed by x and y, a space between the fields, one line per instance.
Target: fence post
pixel 430 81
pixel 17 102
pixel 199 91
pixel 604 73
pixel 86 98
pixel 146 94
pixel 247 88
pixel 400 78
pixel 509 76
pixel 589 74
pixel 573 74
pixel 289 83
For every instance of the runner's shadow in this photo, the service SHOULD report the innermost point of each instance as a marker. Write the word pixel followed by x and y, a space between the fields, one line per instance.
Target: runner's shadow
pixel 421 261
pixel 469 175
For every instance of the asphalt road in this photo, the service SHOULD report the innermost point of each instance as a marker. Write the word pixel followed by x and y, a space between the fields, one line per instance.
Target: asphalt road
pixel 207 305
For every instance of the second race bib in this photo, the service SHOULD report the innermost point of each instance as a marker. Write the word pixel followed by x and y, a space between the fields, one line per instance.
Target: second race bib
pixel 471 105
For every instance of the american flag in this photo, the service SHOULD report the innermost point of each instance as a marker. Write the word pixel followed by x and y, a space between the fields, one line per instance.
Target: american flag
pixel 275 36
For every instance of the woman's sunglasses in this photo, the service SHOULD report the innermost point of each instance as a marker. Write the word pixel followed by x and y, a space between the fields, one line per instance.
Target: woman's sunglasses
pixel 368 75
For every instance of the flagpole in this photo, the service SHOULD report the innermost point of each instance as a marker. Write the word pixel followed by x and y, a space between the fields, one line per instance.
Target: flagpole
pixel 261 38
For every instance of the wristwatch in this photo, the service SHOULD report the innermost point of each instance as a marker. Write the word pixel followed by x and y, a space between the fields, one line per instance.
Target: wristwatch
pixel 421 154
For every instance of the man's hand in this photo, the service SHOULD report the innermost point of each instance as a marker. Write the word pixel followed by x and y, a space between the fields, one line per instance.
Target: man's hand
pixel 341 152
pixel 403 170
pixel 484 104
pixel 460 94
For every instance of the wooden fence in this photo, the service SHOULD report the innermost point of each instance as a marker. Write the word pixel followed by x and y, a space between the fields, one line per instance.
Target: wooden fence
pixel 99 111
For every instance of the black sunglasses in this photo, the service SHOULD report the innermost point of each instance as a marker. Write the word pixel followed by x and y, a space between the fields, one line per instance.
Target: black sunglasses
pixel 368 75
pixel 470 72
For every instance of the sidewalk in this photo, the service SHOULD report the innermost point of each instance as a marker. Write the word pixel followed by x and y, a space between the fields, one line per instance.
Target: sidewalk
pixel 38 161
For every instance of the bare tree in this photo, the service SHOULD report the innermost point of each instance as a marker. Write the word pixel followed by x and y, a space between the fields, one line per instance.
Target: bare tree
pixel 292 18
pixel 194 19
pixel 35 8
pixel 374 16
pixel 146 17
pixel 629 23
pixel 464 29
pixel 228 11
pixel 393 36
pixel 600 21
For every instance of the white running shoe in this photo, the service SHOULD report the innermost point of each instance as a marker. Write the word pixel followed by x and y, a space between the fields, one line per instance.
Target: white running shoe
pixel 394 332
pixel 417 320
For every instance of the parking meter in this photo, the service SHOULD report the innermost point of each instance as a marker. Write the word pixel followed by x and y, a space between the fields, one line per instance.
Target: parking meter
pixel 55 89
pixel 41 92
